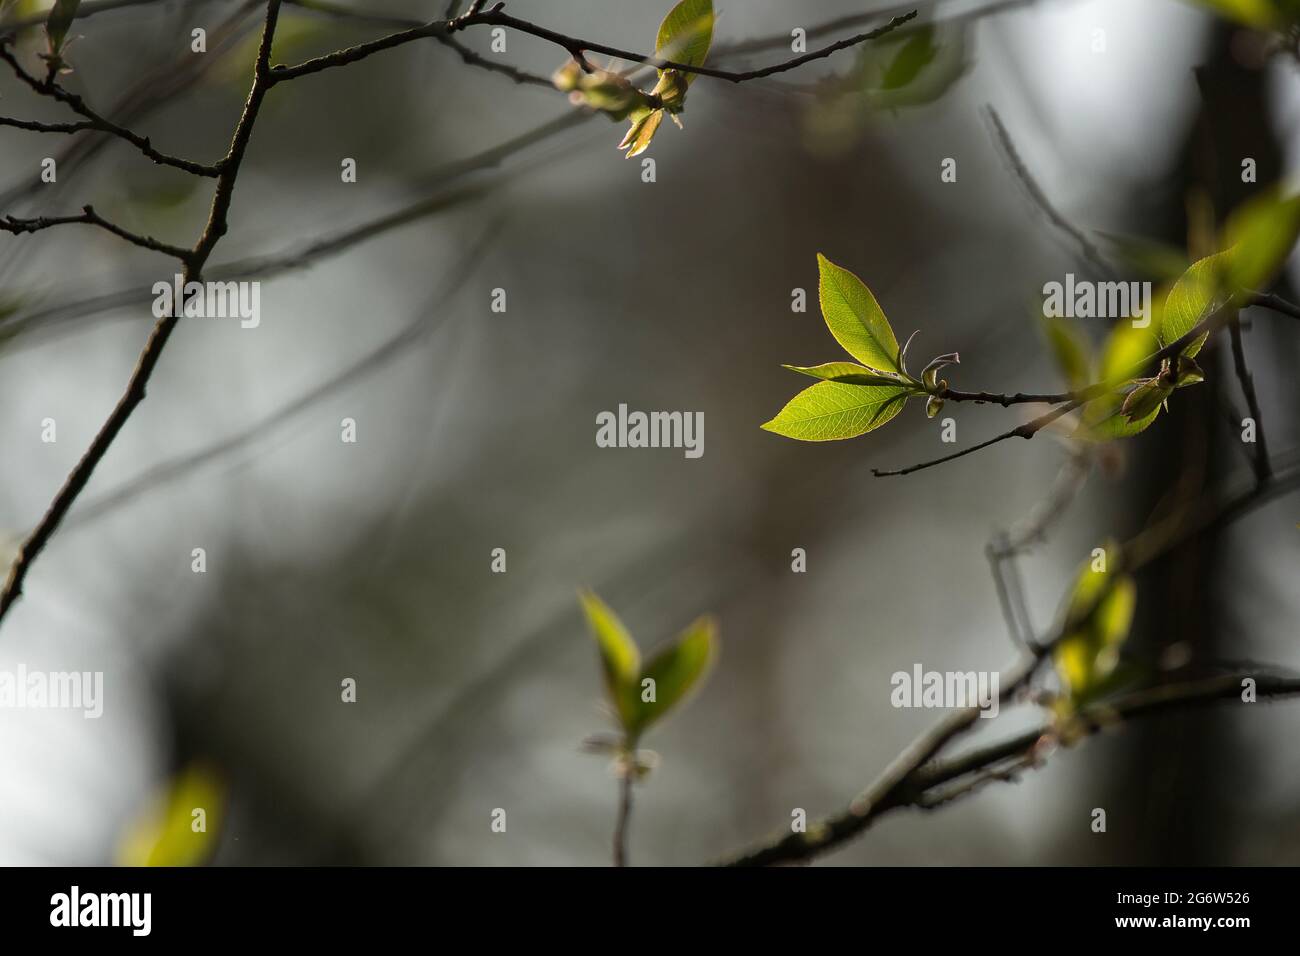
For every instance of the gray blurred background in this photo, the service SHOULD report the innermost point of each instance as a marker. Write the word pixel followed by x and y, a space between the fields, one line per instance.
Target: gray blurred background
pixel 371 560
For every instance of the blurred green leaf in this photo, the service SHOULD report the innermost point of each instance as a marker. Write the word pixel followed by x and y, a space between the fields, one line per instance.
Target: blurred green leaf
pixel 855 318
pixel 166 834
pixel 1070 350
pixel 675 671
pixel 918 52
pixel 829 411
pixel 1099 615
pixel 619 657
pixel 1252 13
pixel 1259 236
pixel 59 22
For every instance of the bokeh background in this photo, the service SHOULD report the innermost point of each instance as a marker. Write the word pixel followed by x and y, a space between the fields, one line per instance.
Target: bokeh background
pixel 371 560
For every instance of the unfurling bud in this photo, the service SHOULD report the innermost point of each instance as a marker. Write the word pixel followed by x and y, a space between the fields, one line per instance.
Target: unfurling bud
pixel 933 406
pixel 930 376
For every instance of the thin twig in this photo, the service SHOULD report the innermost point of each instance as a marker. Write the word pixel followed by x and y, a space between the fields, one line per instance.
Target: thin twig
pixel 576 47
pixel 1263 467
pixel 907 778
pixel 89 217
pixel 624 816
pixel 49 88
pixel 136 387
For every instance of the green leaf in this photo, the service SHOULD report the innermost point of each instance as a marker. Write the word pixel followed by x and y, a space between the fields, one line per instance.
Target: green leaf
pixel 1259 236
pixel 915 55
pixel 686 34
pixel 849 373
pixel 619 657
pixel 855 318
pixel 829 411
pixel 642 131
pixel 1070 350
pixel 59 22
pixel 1104 420
pixel 1195 295
pixel 675 671
pixel 1099 616
pixel 1124 348
pixel 164 835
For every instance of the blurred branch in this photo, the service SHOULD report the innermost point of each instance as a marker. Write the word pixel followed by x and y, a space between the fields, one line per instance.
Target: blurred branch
pixel 1086 247
pixel 907 779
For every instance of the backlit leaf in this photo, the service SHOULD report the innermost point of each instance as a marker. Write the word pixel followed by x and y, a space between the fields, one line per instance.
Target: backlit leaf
pixel 855 318
pixel 829 411
pixel 619 657
pixel 686 34
pixel 676 670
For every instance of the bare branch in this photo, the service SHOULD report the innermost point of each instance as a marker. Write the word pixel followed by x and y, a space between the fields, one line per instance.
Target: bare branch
pixel 135 389
pixel 89 217
pixel 1263 467
pixel 49 88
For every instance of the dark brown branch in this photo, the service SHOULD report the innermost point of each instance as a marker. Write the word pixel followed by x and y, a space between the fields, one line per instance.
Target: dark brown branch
pixel 153 349
pixel 624 816
pixel 1207 326
pixel 38 127
pixel 574 46
pixel 1263 467
pixel 89 217
pixel 1268 300
pixel 49 88
pixel 908 778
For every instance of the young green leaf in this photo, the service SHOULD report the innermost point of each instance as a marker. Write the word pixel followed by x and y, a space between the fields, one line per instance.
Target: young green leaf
pixel 829 411
pixel 59 22
pixel 916 54
pixel 1101 613
pixel 675 671
pixel 849 373
pixel 855 318
pixel 642 131
pixel 1259 236
pixel 1196 294
pixel 686 34
pixel 1070 350
pixel 619 657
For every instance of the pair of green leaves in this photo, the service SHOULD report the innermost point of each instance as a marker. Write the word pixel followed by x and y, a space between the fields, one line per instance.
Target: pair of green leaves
pixel 684 37
pixel 852 399
pixel 640 694
pixel 1097 621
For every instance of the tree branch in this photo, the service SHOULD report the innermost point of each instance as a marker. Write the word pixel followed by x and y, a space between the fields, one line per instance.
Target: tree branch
pixel 136 387
pixel 574 46
pixel 88 216
pixel 1263 467
pixel 911 775
pixel 49 88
